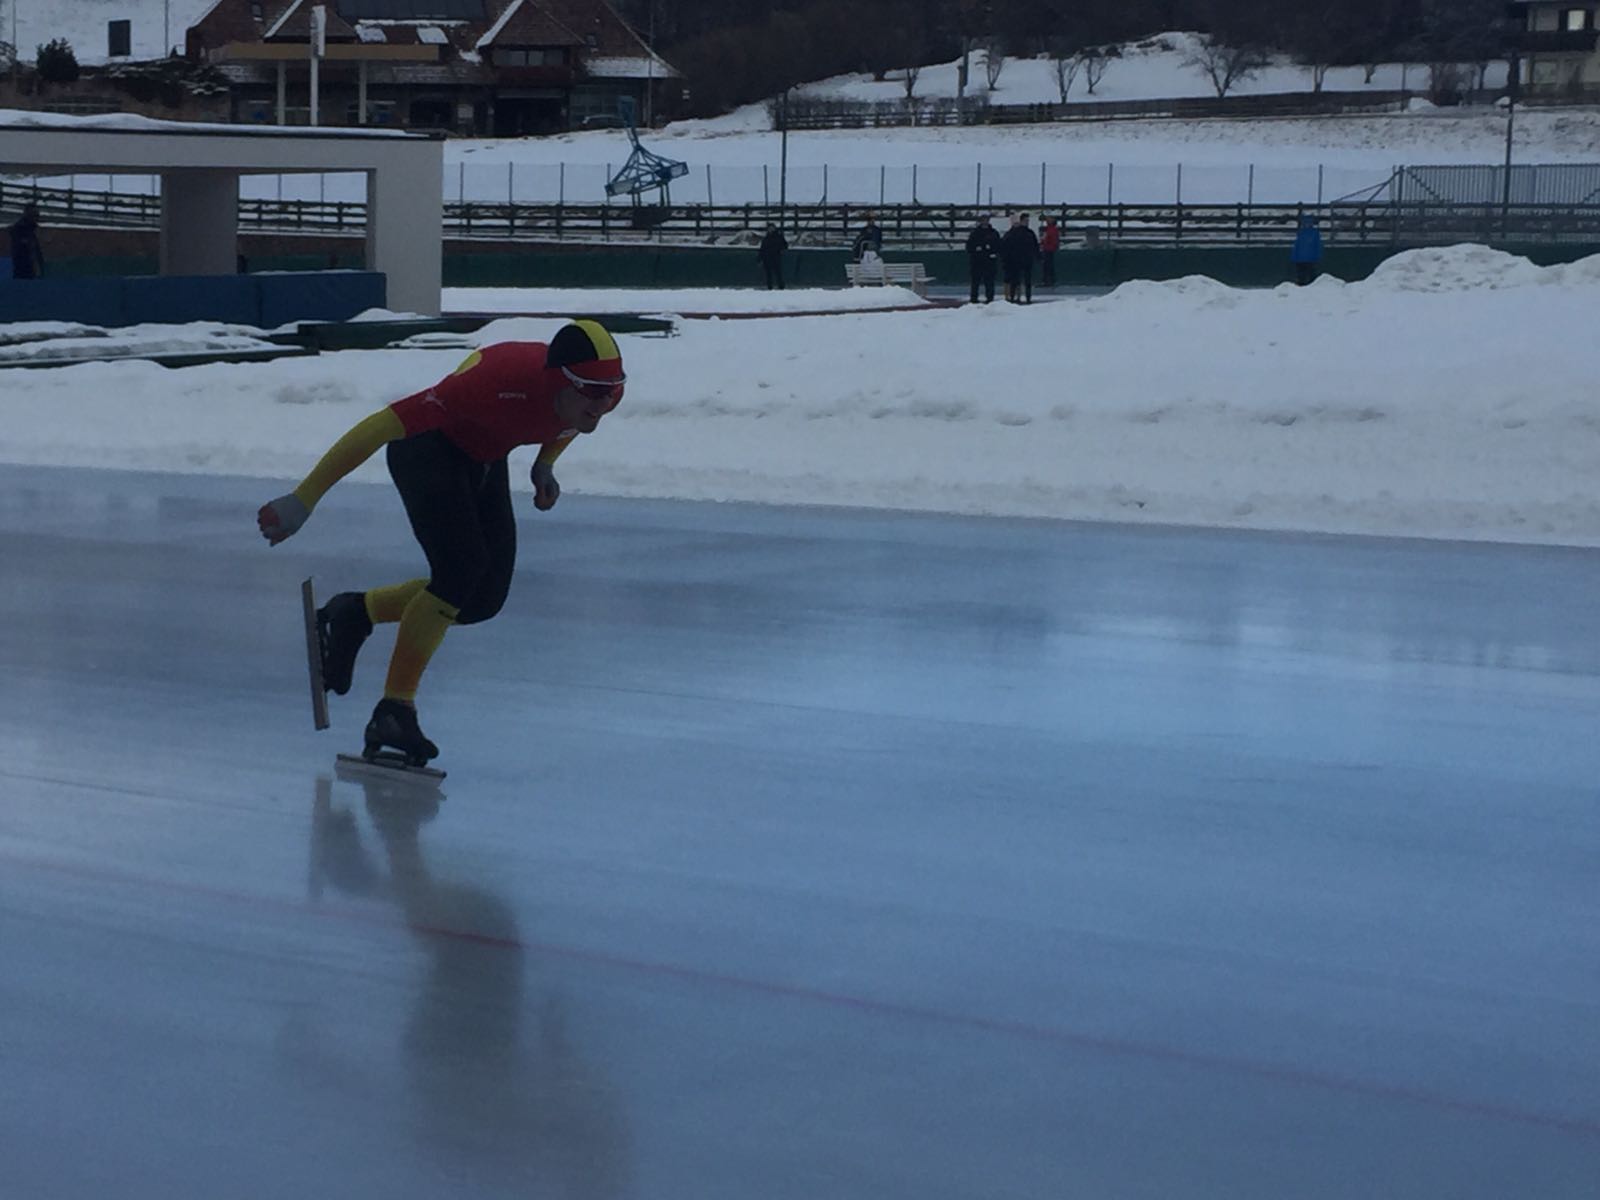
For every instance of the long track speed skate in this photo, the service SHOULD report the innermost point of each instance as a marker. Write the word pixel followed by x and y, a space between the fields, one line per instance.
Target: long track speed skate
pixel 379 755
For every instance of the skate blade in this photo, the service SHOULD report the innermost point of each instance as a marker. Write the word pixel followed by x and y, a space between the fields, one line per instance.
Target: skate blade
pixel 319 692
pixel 385 765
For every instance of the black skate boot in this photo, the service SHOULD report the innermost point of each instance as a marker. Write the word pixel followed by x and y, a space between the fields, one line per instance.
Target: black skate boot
pixel 342 624
pixel 395 724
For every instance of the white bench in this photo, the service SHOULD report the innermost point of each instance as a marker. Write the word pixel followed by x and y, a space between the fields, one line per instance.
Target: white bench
pixel 904 274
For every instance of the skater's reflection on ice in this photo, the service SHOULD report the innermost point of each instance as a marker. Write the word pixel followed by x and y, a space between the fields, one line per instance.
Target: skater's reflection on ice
pixel 502 1095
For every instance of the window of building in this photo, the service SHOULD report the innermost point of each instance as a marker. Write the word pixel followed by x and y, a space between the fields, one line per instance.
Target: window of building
pixel 1543 73
pixel 520 56
pixel 1575 20
pixel 379 112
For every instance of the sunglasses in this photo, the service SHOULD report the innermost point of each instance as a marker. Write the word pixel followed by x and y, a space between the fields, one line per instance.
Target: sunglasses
pixel 600 392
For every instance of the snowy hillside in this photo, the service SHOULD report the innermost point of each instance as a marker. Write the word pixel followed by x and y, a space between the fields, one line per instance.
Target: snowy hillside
pixel 1153 69
pixel 157 24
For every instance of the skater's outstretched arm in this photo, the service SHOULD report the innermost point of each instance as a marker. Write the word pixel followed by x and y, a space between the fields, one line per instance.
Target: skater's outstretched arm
pixel 280 518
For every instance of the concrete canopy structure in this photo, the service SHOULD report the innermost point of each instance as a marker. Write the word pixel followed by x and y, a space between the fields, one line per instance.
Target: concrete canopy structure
pixel 200 165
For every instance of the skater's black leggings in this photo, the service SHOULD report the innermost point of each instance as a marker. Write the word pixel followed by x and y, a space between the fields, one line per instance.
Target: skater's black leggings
pixel 460 511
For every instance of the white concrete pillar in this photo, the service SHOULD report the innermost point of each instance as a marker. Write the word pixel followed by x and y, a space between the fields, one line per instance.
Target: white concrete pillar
pixel 199 222
pixel 405 229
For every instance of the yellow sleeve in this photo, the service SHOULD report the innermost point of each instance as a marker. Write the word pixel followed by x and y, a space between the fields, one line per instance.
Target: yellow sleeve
pixel 550 451
pixel 348 453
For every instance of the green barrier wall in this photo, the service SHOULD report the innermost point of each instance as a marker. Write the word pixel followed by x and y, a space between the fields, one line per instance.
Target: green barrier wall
pixel 711 267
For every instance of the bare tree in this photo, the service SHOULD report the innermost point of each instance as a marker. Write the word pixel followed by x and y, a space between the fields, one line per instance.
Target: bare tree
pixel 1095 62
pixel 910 82
pixel 1226 65
pixel 1065 64
pixel 994 61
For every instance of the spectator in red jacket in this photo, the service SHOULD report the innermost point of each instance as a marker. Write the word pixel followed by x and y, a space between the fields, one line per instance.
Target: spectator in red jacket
pixel 1049 243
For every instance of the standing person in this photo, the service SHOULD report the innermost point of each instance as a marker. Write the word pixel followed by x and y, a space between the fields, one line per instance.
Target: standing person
pixel 870 238
pixel 1049 243
pixel 1307 252
pixel 773 248
pixel 27 255
pixel 1018 250
pixel 447 448
pixel 983 253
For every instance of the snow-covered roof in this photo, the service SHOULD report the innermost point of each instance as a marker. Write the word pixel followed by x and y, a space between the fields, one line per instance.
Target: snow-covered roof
pixel 494 30
pixel 432 35
pixel 132 123
pixel 635 67
pixel 282 19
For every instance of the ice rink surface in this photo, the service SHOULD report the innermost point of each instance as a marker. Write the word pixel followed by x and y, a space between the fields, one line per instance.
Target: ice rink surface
pixel 798 854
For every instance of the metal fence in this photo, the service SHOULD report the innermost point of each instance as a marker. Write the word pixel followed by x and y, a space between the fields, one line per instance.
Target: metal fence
pixel 1555 184
pixel 999 185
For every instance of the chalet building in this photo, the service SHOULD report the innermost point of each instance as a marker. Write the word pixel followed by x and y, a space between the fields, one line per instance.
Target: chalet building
pixel 499 68
pixel 1560 47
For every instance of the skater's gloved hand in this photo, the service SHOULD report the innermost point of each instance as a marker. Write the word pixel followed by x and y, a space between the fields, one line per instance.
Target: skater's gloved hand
pixel 282 517
pixel 546 491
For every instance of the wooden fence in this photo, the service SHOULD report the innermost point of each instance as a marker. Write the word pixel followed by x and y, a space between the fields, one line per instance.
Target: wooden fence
pixel 845 114
pixel 907 226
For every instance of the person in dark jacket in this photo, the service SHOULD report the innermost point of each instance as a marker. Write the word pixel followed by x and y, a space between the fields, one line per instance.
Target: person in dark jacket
pixel 983 255
pixel 1018 251
pixel 1049 243
pixel 1307 252
pixel 27 256
pixel 870 238
pixel 773 248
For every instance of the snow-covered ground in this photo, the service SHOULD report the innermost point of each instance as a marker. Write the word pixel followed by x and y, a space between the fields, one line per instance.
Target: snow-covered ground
pixel 1416 402
pixel 1212 161
pixel 157 25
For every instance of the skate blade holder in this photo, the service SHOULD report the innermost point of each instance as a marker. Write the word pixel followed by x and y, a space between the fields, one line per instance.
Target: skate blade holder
pixel 386 765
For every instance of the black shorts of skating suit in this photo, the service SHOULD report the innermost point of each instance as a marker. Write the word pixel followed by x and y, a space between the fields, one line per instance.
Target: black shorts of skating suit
pixel 461 512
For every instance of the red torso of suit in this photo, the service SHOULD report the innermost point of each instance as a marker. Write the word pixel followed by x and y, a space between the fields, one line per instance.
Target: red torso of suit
pixel 502 397
pixel 1050 240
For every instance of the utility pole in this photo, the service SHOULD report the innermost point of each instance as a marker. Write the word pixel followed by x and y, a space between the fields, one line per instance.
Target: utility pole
pixel 650 73
pixel 1512 83
pixel 319 42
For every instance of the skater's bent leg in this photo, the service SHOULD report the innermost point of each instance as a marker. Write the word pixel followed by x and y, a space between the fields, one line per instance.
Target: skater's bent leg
pixel 388 604
pixel 422 630
pixel 498 524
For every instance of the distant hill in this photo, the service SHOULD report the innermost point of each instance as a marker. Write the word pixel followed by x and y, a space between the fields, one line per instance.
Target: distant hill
pixel 83 23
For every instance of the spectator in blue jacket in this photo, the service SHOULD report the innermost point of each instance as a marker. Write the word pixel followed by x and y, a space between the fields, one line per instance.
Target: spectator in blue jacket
pixel 1307 253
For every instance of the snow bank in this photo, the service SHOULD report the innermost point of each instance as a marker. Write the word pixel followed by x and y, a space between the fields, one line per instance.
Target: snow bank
pixel 677 300
pixel 1413 403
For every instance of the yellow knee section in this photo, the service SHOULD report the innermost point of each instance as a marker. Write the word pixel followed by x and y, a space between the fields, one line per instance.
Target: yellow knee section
pixel 422 628
pixel 385 604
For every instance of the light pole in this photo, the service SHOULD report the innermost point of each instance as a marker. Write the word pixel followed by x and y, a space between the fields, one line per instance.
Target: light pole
pixel 1513 83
